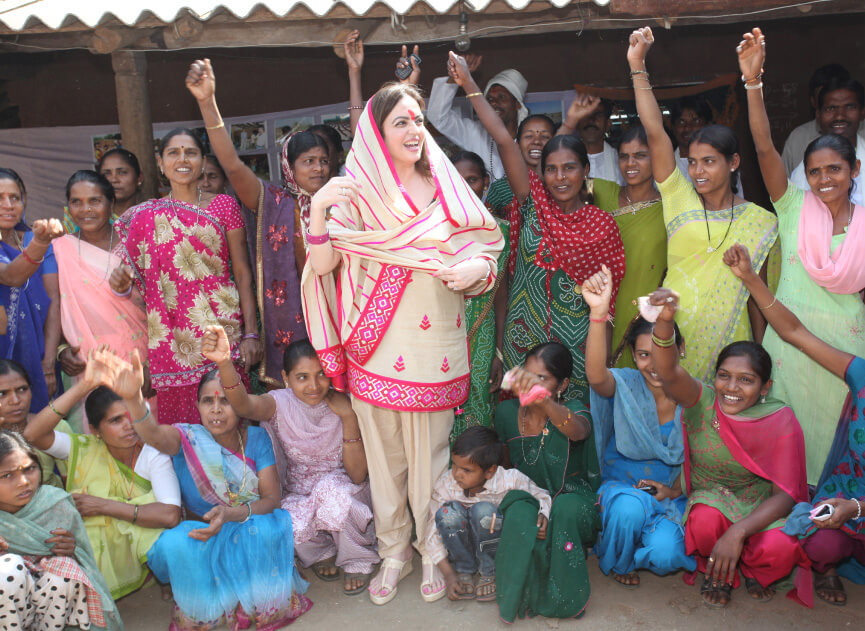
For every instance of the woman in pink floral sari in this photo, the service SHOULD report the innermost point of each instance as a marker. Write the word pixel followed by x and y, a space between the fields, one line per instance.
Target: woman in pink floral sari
pixel 179 251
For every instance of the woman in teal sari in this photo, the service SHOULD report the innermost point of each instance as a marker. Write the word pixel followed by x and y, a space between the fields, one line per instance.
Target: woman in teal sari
pixel 550 442
pixel 49 577
pixel 233 560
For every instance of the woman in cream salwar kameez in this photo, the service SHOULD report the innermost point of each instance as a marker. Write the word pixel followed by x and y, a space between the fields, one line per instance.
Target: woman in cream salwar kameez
pixel 409 239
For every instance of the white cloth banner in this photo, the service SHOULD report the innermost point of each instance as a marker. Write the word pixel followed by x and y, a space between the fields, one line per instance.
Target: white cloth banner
pixel 46 157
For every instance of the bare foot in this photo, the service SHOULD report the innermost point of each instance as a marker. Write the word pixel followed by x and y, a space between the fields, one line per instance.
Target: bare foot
pixel 631 579
pixel 391 574
pixel 354 581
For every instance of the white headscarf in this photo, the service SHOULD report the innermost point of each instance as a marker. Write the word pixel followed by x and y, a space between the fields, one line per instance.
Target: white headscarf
pixel 515 83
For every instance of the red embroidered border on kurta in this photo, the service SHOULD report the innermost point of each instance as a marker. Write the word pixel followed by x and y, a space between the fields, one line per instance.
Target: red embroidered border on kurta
pixel 407 396
pixel 378 313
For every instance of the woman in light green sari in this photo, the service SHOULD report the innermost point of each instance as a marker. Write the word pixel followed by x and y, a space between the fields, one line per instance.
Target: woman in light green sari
pixel 127 492
pixel 639 213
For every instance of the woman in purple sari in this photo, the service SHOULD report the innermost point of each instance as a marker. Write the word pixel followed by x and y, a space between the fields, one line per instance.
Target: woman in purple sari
pixel 277 223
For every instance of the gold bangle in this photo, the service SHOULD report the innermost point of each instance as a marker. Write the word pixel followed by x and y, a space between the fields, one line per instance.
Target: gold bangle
pixel 468 96
pixel 212 127
pixel 135 514
pixel 664 343
pixel 54 409
pixel 500 356
pixel 769 305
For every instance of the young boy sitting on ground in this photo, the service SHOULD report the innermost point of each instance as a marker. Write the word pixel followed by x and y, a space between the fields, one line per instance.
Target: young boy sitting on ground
pixel 465 525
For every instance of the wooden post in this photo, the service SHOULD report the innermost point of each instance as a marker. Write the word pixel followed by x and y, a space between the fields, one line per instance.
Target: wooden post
pixel 133 110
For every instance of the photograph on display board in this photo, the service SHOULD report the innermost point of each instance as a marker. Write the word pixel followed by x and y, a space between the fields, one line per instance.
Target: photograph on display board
pixel 259 163
pixel 104 143
pixel 284 127
pixel 553 109
pixel 249 136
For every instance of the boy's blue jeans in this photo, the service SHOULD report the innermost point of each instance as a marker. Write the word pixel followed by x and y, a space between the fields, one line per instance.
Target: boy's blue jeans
pixel 466 533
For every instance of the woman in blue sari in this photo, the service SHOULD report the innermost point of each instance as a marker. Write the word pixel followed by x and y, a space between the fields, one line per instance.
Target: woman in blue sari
pixel 638 434
pixel 29 290
pixel 233 560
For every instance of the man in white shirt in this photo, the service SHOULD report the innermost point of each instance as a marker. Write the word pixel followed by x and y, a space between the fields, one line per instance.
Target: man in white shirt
pixel 801 137
pixel 840 111
pixel 505 92
pixel 589 118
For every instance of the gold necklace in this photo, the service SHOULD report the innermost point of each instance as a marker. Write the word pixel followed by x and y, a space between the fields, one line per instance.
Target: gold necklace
pixel 187 231
pixel 129 492
pixel 232 496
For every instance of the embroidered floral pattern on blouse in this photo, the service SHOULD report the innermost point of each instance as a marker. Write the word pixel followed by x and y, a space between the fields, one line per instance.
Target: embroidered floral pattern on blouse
pixel 277 236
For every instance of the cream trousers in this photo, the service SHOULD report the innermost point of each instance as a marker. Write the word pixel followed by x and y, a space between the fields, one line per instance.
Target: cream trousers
pixel 406 452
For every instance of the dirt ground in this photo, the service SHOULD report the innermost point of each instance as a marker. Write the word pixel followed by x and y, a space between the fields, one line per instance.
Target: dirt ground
pixel 659 603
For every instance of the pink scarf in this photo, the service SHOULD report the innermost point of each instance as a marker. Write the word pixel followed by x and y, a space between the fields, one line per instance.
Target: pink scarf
pixel 844 271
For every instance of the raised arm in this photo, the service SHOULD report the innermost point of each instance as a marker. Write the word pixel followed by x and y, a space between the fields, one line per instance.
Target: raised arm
pixel 597 291
pixel 39 431
pixel 353 48
pixel 126 380
pixel 786 324
pixel 581 106
pixel 19 270
pixel 515 167
pixel 201 83
pixel 752 56
pixel 660 145
pixel 216 348
pixel 678 384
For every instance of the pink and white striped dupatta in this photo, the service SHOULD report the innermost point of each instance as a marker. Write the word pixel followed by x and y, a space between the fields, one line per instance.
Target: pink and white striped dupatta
pixel 383 239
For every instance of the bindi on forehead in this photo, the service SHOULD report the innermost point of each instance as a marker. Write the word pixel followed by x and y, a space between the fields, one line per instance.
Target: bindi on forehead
pixel 412 114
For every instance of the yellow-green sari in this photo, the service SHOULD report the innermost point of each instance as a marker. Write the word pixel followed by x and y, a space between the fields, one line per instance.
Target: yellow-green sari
pixel 713 302
pixel 120 547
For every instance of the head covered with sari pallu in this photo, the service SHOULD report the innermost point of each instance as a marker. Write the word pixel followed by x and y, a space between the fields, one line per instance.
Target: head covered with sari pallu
pixel 386 235
pixel 576 243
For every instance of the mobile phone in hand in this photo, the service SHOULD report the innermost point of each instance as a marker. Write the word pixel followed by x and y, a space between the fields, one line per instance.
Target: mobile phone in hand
pixel 404 72
pixel 651 490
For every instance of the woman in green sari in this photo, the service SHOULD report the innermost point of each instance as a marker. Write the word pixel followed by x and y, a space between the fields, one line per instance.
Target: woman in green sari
pixel 49 577
pixel 550 442
pixel 485 318
pixel 558 239
pixel 639 213
pixel 127 492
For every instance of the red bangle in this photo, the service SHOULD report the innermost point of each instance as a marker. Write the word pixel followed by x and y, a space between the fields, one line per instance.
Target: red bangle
pixel 317 239
pixel 28 259
pixel 239 383
pixel 601 320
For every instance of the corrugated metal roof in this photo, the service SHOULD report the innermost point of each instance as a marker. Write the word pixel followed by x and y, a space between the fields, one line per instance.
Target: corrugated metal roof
pixel 21 14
